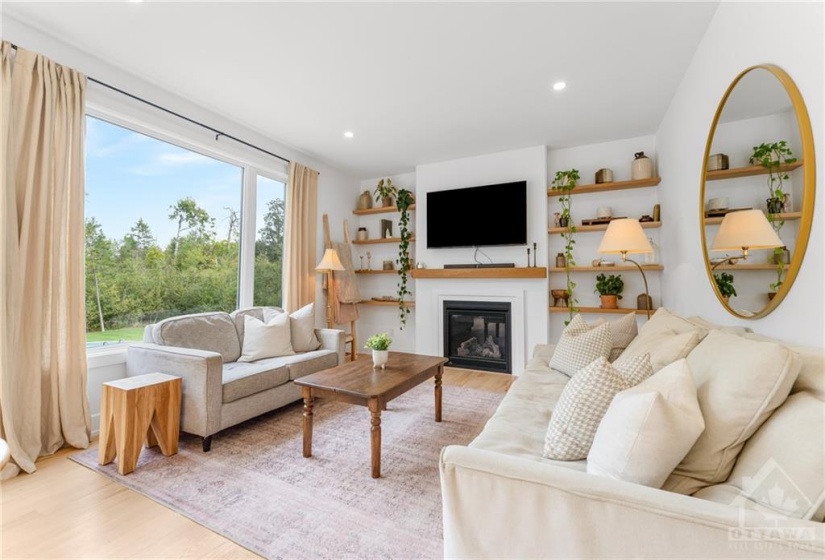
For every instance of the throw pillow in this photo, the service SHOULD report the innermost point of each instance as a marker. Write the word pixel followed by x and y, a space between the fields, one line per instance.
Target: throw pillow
pixel 302 327
pixel 648 429
pixel 579 345
pixel 623 331
pixel 740 382
pixel 664 348
pixel 583 402
pixel 266 340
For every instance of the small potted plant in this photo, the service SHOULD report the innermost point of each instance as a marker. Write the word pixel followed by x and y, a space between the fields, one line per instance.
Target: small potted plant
pixel 610 290
pixel 724 281
pixel 379 344
pixel 385 191
pixel 773 157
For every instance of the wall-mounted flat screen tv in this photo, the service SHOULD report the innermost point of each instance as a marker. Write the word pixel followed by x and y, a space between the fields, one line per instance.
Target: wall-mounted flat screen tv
pixel 478 216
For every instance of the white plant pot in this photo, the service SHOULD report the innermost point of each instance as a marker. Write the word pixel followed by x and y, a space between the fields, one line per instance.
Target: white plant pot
pixel 380 357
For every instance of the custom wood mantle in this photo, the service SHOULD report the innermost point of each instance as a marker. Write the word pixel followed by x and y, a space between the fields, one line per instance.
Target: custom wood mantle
pixel 462 273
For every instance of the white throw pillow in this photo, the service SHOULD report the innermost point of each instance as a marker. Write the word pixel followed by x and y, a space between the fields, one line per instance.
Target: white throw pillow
pixel 266 340
pixel 579 345
pixel 664 348
pixel 302 327
pixel 740 382
pixel 648 429
pixel 583 402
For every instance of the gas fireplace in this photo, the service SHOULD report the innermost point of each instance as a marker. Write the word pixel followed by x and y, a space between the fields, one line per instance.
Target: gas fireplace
pixel 477 335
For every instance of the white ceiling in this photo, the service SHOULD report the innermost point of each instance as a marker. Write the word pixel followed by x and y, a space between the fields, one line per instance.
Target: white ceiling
pixel 416 83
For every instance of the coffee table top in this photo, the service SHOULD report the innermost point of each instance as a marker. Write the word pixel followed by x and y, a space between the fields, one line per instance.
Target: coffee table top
pixel 361 380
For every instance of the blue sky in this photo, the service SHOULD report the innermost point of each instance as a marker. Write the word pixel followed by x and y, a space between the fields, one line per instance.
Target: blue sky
pixel 131 176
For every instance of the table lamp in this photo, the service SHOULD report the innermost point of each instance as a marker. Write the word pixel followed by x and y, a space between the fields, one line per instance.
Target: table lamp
pixel 329 263
pixel 743 230
pixel 625 236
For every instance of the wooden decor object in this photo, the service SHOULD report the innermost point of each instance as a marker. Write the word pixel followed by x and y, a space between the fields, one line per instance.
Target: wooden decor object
pixel 137 409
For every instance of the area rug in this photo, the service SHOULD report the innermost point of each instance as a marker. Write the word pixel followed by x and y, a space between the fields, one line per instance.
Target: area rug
pixel 255 488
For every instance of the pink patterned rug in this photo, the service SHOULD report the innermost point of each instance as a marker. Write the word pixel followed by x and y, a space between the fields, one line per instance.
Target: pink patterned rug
pixel 255 488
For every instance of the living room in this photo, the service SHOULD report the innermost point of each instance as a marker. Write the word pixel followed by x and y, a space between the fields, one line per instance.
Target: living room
pixel 438 97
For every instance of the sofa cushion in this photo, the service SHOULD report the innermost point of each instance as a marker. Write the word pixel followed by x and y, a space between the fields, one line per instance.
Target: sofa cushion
pixel 265 340
pixel 213 331
pixel 648 429
pixel 740 382
pixel 305 363
pixel 302 326
pixel 242 379
pixel 584 401
pixel 579 345
pixel 666 337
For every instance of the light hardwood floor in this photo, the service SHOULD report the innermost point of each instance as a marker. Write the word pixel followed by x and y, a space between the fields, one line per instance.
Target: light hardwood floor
pixel 67 511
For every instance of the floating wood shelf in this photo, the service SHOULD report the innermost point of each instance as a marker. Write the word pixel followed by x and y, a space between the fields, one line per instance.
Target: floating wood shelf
pixel 600 310
pixel 393 271
pixel 601 227
pixel 528 272
pixel 748 171
pixel 385 303
pixel 786 216
pixel 381 210
pixel 604 187
pixel 763 266
pixel 616 268
pixel 380 240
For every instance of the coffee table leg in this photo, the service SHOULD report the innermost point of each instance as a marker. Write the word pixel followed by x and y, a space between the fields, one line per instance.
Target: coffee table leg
pixel 307 393
pixel 375 436
pixel 438 375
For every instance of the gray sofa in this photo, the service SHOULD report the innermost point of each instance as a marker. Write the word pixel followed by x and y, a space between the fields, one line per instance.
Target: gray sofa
pixel 219 391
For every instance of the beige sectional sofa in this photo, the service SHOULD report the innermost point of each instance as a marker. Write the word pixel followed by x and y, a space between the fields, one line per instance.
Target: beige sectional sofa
pixel 503 499
pixel 218 390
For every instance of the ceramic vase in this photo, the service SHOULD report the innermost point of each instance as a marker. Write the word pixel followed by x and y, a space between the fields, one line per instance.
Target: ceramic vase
pixel 379 358
pixel 642 167
pixel 365 201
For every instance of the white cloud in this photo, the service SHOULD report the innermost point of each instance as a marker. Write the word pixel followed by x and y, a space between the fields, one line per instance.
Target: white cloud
pixel 183 158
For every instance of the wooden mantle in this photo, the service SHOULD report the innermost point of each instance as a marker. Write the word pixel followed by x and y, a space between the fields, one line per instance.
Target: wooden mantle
pixel 529 272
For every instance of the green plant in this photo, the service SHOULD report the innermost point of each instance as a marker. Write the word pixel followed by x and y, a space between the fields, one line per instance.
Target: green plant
pixel 612 285
pixel 724 281
pixel 780 270
pixel 403 201
pixel 564 183
pixel 378 342
pixel 385 189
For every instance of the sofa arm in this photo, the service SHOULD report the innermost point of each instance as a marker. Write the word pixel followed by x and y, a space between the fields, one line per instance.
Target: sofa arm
pixel 499 506
pixel 333 339
pixel 202 381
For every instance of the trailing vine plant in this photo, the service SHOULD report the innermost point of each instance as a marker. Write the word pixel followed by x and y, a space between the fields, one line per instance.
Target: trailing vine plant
pixel 565 182
pixel 404 199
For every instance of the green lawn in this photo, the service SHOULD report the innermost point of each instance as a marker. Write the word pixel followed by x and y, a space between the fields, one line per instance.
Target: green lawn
pixel 115 335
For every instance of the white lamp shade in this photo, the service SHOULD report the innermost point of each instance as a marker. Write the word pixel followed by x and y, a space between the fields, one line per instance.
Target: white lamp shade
pixel 624 236
pixel 329 262
pixel 745 229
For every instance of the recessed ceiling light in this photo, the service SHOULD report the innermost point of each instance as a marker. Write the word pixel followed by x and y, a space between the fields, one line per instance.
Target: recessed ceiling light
pixel 348 134
pixel 558 86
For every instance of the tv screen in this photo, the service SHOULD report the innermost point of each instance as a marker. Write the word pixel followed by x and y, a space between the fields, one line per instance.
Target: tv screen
pixel 478 216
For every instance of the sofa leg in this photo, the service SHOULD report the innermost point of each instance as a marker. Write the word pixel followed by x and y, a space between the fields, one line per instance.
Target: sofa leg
pixel 207 443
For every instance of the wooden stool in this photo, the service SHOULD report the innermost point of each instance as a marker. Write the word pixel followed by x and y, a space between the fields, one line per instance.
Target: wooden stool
pixel 134 409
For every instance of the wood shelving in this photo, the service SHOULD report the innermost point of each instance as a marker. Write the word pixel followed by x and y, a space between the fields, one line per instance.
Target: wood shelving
pixel 380 240
pixel 604 187
pixel 528 272
pixel 381 210
pixel 600 310
pixel 393 271
pixel 749 171
pixel 385 303
pixel 787 216
pixel 601 227
pixel 762 266
pixel 616 268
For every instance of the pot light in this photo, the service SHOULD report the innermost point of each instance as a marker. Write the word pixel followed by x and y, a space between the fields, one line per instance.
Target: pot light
pixel 558 86
pixel 348 134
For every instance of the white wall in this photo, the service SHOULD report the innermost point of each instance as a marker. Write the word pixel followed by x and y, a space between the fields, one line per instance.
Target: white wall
pixel 736 39
pixel 529 298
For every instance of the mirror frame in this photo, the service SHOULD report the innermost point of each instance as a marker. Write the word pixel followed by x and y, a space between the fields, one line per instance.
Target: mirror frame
pixel 808 188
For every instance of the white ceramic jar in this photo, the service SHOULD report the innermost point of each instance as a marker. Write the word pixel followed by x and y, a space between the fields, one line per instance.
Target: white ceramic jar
pixel 642 167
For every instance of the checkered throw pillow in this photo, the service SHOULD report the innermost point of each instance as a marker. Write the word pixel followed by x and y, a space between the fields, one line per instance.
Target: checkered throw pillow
pixel 584 401
pixel 579 345
pixel 623 331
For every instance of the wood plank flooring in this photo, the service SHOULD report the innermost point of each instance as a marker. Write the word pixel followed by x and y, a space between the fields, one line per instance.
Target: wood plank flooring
pixel 67 511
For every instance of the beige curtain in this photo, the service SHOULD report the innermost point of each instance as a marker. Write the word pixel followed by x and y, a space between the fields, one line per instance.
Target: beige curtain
pixel 43 402
pixel 301 234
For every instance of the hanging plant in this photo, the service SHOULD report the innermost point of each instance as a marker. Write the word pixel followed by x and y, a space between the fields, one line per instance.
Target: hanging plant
pixel 404 199
pixel 564 183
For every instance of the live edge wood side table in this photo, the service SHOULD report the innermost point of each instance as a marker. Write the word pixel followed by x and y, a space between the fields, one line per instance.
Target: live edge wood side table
pixel 137 409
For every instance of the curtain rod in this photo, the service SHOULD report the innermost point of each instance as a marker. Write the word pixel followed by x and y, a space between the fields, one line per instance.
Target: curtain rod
pixel 218 133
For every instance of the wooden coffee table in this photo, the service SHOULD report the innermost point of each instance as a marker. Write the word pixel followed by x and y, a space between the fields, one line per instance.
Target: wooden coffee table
pixel 359 383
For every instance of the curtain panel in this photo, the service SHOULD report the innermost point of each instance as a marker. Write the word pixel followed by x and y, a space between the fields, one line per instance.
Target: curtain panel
pixel 301 232
pixel 43 403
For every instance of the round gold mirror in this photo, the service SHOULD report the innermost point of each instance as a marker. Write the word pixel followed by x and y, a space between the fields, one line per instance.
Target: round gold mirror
pixel 758 189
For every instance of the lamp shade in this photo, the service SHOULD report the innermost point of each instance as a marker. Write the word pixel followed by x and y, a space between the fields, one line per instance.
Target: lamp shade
pixel 624 236
pixel 329 262
pixel 745 229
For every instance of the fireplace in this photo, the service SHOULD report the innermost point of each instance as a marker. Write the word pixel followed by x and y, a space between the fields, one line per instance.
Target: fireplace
pixel 477 335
